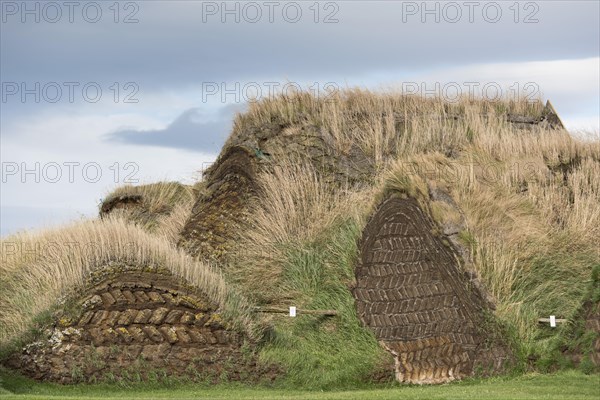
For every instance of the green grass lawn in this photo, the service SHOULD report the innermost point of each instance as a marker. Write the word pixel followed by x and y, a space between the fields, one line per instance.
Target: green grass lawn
pixel 564 385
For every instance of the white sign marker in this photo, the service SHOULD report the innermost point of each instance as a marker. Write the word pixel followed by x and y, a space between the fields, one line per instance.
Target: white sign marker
pixel 553 321
pixel 292 311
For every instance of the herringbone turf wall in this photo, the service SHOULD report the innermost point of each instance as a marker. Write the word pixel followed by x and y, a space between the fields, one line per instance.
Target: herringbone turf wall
pixel 139 326
pixel 412 293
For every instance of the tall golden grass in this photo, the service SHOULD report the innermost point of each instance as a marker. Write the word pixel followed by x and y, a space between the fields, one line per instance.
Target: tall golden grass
pixel 296 204
pixel 385 123
pixel 159 197
pixel 39 269
pixel 164 208
pixel 531 197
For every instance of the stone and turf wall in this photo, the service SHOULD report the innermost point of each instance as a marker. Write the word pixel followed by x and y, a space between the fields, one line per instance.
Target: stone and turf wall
pixel 140 326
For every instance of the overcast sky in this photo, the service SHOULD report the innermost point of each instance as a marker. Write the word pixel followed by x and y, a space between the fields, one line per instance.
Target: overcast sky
pixel 96 95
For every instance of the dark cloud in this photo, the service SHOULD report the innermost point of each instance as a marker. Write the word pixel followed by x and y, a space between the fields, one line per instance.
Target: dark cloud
pixel 192 130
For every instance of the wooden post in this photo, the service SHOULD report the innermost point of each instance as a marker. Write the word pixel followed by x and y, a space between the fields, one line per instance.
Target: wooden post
pixel 299 311
pixel 547 320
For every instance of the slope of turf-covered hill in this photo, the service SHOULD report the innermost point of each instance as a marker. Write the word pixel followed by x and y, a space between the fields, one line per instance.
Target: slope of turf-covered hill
pixel 440 233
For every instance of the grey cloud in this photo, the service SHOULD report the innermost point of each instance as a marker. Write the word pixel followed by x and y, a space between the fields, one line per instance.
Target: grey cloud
pixel 171 47
pixel 192 130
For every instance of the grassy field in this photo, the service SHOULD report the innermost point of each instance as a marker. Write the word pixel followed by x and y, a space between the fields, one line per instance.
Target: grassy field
pixel 564 385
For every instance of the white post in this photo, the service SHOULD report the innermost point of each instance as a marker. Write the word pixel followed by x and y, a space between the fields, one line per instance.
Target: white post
pixel 292 311
pixel 553 321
